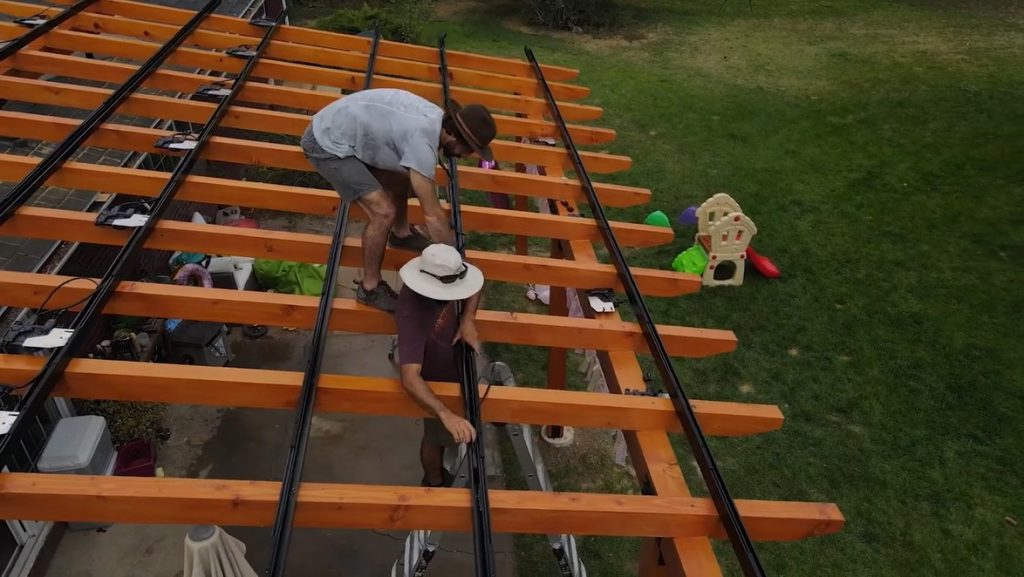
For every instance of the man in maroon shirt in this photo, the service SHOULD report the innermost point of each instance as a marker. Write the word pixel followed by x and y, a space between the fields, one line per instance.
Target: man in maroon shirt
pixel 427 332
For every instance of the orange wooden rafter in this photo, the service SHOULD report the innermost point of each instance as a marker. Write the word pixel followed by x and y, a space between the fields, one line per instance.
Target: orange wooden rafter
pixel 265 389
pixel 313 37
pixel 51 224
pixel 260 120
pixel 319 201
pixel 256 153
pixel 46 497
pixel 285 96
pixel 286 310
pixel 124 47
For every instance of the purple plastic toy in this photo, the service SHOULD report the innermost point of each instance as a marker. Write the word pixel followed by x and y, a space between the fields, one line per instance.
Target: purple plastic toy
pixel 688 216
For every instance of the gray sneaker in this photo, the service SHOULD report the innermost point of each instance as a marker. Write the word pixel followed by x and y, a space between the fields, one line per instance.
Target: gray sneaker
pixel 415 241
pixel 383 297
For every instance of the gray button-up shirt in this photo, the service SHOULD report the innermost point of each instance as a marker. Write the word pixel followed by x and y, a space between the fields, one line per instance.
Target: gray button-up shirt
pixel 385 128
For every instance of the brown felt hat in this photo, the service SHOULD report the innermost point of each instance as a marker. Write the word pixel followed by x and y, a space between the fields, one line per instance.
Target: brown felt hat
pixel 476 126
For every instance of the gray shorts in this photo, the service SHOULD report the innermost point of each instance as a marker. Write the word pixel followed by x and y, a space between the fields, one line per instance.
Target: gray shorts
pixel 435 434
pixel 349 176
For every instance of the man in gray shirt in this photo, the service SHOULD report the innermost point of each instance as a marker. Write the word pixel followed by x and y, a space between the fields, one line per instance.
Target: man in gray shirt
pixel 378 146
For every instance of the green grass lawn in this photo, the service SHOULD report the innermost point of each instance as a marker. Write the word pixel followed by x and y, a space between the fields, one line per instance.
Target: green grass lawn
pixel 878 146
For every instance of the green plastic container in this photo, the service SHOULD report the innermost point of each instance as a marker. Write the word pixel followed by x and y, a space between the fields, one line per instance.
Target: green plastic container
pixel 692 260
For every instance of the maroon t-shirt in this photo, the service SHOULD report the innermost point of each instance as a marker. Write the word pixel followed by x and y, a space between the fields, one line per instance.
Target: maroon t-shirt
pixel 426 328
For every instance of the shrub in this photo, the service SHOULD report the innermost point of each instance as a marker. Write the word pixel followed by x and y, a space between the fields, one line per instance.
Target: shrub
pixel 400 20
pixel 567 14
pixel 127 421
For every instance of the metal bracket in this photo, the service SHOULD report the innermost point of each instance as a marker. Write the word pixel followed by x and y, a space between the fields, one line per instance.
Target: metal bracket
pixel 55 339
pixel 601 300
pixel 7 419
pixel 32 21
pixel 217 90
pixel 178 142
pixel 261 20
pixel 244 51
pixel 127 215
pixel 22 330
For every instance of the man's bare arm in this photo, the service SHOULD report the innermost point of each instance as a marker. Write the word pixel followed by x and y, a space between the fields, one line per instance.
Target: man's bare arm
pixel 433 215
pixel 461 429
pixel 420 392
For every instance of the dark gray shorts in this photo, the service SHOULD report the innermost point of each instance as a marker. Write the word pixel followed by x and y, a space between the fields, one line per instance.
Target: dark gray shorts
pixel 435 434
pixel 349 176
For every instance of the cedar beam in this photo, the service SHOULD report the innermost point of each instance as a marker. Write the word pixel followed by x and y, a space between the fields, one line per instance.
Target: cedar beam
pixel 123 25
pixel 286 310
pixel 319 201
pixel 44 497
pixel 260 120
pixel 123 47
pixel 266 389
pixel 285 96
pixel 313 37
pixel 256 153
pixel 52 224
pixel 651 453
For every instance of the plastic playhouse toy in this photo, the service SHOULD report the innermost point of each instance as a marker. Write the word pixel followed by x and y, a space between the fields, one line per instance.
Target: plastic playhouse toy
pixel 723 238
pixel 692 260
pixel 657 218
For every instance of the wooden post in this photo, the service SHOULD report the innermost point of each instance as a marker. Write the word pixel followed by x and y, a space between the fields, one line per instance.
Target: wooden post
pixel 557 357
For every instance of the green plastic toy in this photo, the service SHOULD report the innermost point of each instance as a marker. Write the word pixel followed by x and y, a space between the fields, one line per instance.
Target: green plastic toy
pixel 657 218
pixel 692 260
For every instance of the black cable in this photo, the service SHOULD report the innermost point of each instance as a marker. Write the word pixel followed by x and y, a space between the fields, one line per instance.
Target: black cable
pixel 41 309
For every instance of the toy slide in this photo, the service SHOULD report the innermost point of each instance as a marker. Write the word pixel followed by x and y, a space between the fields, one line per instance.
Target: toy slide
pixel 762 264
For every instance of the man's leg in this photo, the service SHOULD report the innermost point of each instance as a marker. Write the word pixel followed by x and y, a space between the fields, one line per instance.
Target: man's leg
pixel 435 439
pixel 432 459
pixel 399 189
pixel 397 186
pixel 380 214
pixel 354 183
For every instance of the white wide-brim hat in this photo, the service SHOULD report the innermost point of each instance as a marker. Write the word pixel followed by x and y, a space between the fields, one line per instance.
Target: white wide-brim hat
pixel 427 273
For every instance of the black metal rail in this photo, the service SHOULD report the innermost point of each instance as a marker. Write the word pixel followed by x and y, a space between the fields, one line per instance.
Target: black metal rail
pixel 483 547
pixel 53 161
pixel 283 518
pixel 37 31
pixel 737 533
pixel 42 384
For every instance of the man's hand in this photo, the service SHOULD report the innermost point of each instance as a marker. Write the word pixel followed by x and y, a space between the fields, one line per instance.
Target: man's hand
pixel 461 430
pixel 434 217
pixel 467 333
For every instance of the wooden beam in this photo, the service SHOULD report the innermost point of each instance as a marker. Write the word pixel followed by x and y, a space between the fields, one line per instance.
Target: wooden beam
pixel 51 224
pixel 263 389
pixel 297 98
pixel 319 201
pixel 121 24
pixel 651 453
pixel 312 37
pixel 123 47
pixel 44 497
pixel 257 153
pixel 285 310
pixel 260 120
